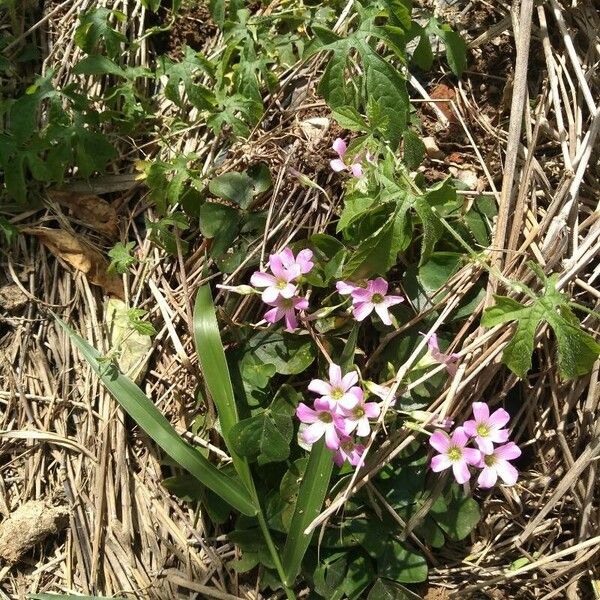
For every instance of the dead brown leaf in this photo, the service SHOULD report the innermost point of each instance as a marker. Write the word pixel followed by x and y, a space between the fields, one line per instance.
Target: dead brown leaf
pixel 79 255
pixel 92 210
pixel 442 92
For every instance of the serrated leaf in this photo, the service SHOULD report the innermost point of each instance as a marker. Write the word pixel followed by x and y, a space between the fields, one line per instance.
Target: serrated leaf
pixel 94 26
pixel 414 149
pixel 121 258
pixel 98 64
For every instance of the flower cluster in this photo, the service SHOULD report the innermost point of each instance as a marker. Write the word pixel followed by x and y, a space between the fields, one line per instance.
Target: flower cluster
pixel 339 164
pixel 339 413
pixel 281 290
pixel 484 430
pixel 281 285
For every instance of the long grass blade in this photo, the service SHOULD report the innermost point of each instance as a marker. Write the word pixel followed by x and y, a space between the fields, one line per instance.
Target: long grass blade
pixel 311 495
pixel 155 424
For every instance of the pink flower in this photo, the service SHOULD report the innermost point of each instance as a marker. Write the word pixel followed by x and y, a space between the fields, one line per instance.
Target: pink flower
pixel 453 453
pixel 348 451
pixel 373 297
pixel 358 417
pixel 449 360
pixel 486 428
pixel 495 464
pixel 323 421
pixel 338 164
pixel 285 268
pixel 338 391
pixel 285 308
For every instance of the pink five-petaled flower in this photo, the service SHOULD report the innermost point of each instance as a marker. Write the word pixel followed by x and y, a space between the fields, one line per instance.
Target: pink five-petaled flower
pixel 449 360
pixel 285 268
pixel 373 297
pixel 348 451
pixel 358 417
pixel 285 308
pixel 322 421
pixel 338 391
pixel 338 164
pixel 485 428
pixel 495 464
pixel 453 453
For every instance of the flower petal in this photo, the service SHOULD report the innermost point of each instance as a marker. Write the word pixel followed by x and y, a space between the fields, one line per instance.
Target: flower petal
pixel 277 267
pixel 384 314
pixel 270 296
pixel 356 169
pixel 337 165
pixel 499 418
pixel 335 375
pixel 379 286
pixel 287 257
pixel 260 279
pixel 362 310
pixel 509 451
pixel 306 414
pixel 344 288
pixel 487 478
pixel 291 322
pixel 340 146
pixel 332 441
pixel 300 303
pixel 440 440
pixel 485 444
pixel 461 471
pixel 472 455
pixel 318 386
pixel 500 436
pixel 314 432
pixel 363 428
pixel 348 401
pixel 288 291
pixel 304 261
pixel 459 437
pixel 393 300
pixel 440 462
pixel 372 410
pixel 432 343
pixel 507 472
pixel 470 428
pixel 349 380
pixel 273 315
pixel 481 412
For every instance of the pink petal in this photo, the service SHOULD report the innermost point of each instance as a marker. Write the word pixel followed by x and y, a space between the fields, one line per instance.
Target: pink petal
pixel 485 444
pixel 356 456
pixel 362 310
pixel 350 379
pixel 393 300
pixel 499 418
pixel 287 257
pixel 344 288
pixel 379 286
pixel 314 432
pixel 291 322
pixel 288 291
pixel 363 428
pixel 432 342
pixel 459 437
pixel 470 428
pixel 356 169
pixel 337 165
pixel 332 441
pixel 384 315
pixel 487 478
pixel 277 267
pixel 440 462
pixel 472 455
pixel 322 405
pixel 500 436
pixel 306 414
pixel 461 471
pixel 270 296
pixel 356 392
pixel 300 303
pixel 372 409
pixel 481 412
pixel 304 260
pixel 318 386
pixel 335 375
pixel 360 294
pixel 273 315
pixel 339 458
pixel 260 279
pixel 509 451
pixel 440 440
pixel 340 146
pixel 348 401
pixel 451 368
pixel 507 472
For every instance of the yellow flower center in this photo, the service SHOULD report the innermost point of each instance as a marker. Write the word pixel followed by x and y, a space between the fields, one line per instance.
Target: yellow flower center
pixel 482 430
pixel 489 460
pixel 337 393
pixel 359 412
pixel 376 298
pixel 281 284
pixel 454 453
pixel 326 417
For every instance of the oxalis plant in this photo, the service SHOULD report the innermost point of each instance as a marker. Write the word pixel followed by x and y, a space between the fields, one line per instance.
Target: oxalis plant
pixel 311 390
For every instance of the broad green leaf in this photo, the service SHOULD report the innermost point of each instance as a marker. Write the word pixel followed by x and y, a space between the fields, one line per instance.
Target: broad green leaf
pixel 399 563
pixel 311 495
pixel 98 64
pixel 456 50
pixel 329 575
pixel 221 224
pixel 458 515
pixel 349 118
pixel 94 26
pixel 290 354
pixel 154 423
pixel 359 575
pixel 432 227
pixel 390 590
pixel 354 207
pixel 333 81
pixel 414 149
pixel 235 187
pixel 505 310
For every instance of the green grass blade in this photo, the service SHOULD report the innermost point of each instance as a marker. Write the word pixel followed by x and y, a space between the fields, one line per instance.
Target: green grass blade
pixel 155 424
pixel 311 495
pixel 215 371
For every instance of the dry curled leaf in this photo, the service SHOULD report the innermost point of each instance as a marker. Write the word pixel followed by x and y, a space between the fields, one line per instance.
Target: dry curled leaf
pixel 29 525
pixel 92 210
pixel 79 255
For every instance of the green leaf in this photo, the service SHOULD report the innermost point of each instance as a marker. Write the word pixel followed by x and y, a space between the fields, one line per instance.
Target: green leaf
pixel 414 149
pixel 389 590
pixel 154 423
pixel 220 223
pixel 333 81
pixel 289 354
pixel 235 187
pixel 120 257
pixel 349 118
pixel 399 563
pixel 98 64
pixel 9 231
pixel 94 25
pixel 456 50
pixel 310 500
pixel 458 516
pixel 359 575
pixel 432 227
